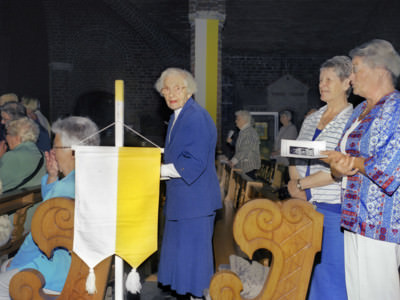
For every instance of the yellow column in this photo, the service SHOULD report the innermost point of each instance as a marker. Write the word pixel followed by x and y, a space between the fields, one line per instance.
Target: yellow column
pixel 206 60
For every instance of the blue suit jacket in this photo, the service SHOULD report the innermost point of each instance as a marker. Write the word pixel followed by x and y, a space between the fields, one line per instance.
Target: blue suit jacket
pixel 190 146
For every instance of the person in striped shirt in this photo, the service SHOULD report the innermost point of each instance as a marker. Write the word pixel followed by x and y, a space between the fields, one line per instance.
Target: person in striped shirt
pixel 311 179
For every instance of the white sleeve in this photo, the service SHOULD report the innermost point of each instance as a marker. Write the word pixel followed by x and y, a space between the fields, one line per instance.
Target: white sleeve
pixel 168 170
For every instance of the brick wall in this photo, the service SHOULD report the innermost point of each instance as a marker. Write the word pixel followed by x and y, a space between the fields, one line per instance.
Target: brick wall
pixel 246 78
pixel 89 44
pixel 93 43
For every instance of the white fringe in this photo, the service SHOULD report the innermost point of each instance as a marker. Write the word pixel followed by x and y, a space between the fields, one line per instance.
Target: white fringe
pixel 91 282
pixel 132 282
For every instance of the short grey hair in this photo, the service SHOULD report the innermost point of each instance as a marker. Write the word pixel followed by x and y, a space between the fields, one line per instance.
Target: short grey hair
pixel 341 64
pixel 245 116
pixel 14 109
pixel 25 128
pixel 286 113
pixel 379 53
pixel 188 78
pixel 74 130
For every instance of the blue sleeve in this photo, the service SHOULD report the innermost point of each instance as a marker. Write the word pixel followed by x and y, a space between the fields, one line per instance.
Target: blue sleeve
pixel 46 188
pixel 199 136
pixel 26 253
pixel 55 270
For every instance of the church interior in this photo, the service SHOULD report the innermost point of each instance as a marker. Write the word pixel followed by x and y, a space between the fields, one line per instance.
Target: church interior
pixel 268 54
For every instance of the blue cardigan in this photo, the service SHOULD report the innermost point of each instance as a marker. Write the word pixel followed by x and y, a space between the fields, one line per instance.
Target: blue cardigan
pixel 190 146
pixel 55 269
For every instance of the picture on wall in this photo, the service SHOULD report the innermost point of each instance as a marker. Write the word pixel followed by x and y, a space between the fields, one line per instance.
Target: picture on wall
pixel 266 124
pixel 262 130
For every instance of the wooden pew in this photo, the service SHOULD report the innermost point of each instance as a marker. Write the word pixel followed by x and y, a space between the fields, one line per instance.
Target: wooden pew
pixel 18 202
pixel 266 171
pixel 219 166
pixel 231 184
pixel 292 231
pixel 224 181
pixel 238 188
pixel 253 191
pixel 52 227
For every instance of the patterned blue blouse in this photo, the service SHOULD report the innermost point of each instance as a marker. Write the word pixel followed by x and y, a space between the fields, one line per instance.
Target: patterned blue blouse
pixel 371 202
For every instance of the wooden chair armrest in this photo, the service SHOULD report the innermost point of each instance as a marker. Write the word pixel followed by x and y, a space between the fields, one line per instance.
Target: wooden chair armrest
pixel 27 285
pixel 226 286
pixel 53 225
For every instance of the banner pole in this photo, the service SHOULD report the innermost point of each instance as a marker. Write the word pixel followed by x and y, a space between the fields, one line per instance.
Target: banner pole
pixel 119 142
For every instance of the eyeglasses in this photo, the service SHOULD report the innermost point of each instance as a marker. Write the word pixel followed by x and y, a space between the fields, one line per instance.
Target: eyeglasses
pixel 61 147
pixel 175 90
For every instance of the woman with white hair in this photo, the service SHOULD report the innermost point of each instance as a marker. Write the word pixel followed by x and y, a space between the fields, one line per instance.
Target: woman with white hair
pixel 367 161
pixel 23 165
pixel 60 160
pixel 15 110
pixel 192 191
pixel 247 147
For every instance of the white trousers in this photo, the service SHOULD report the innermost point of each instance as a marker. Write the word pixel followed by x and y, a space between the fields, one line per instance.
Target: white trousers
pixel 372 268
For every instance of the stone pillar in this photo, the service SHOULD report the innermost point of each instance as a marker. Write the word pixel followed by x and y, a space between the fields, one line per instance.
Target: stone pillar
pixel 206 19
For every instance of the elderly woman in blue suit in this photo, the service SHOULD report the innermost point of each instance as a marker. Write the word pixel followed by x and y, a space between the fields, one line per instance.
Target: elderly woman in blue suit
pixel 193 194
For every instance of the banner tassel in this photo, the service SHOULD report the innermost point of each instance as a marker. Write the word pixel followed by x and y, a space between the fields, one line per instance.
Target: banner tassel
pixel 91 282
pixel 132 283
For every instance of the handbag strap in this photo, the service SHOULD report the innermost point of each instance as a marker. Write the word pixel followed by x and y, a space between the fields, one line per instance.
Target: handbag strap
pixel 26 179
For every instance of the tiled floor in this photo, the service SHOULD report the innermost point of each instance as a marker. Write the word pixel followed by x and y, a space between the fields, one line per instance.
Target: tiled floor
pixel 150 291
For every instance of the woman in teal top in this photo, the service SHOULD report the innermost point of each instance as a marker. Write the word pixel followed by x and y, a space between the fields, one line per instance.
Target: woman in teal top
pixel 69 131
pixel 23 165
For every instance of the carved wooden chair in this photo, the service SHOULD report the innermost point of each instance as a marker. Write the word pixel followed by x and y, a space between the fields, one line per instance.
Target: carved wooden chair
pixel 52 227
pixel 18 202
pixel 292 231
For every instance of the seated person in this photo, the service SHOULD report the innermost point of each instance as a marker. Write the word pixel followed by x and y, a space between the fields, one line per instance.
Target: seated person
pixel 32 106
pixel 69 131
pixel 247 148
pixel 9 97
pixel 23 165
pixel 15 110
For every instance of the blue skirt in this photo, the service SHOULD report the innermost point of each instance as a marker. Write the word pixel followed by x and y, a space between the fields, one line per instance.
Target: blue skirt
pixel 186 261
pixel 328 279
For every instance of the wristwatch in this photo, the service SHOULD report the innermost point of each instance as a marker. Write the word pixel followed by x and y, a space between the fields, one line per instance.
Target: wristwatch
pixel 298 185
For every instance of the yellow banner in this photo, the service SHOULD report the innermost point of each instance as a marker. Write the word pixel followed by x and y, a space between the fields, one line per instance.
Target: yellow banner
pixel 137 204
